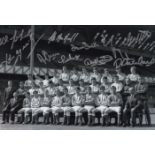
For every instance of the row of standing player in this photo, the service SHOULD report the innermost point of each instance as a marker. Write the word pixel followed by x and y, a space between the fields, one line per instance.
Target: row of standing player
pixel 65 76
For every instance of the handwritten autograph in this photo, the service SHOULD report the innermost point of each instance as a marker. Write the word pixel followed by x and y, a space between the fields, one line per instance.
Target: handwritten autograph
pixel 104 39
pixel 120 62
pixel 65 59
pixel 19 36
pixel 4 40
pixel 61 37
pixel 117 59
pixel 15 58
pixel 98 61
pixel 45 57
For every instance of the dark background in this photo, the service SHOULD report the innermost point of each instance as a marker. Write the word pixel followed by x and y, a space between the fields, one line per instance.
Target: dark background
pixel 86 34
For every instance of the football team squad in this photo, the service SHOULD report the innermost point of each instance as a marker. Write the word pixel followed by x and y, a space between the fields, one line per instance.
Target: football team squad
pixel 78 98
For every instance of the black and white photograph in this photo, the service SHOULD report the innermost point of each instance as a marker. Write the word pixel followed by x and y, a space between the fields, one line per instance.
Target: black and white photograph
pixel 77 77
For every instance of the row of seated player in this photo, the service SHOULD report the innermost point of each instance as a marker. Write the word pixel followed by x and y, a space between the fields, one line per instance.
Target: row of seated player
pixel 65 76
pixel 78 103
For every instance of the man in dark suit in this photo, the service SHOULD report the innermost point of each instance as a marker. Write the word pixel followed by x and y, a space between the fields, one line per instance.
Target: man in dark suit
pixel 132 107
pixel 8 94
pixel 141 89
pixel 18 105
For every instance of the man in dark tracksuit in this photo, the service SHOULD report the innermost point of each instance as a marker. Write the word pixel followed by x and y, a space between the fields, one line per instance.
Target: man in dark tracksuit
pixel 21 95
pixel 13 105
pixel 132 107
pixel 141 90
pixel 8 94
pixel 17 101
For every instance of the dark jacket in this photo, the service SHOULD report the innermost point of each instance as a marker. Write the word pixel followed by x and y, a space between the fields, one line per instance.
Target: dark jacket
pixel 8 94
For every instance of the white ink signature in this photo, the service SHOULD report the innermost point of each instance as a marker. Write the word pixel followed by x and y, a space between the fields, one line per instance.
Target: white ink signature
pixel 19 36
pixel 104 39
pixel 57 37
pixel 4 40
pixel 44 57
pixel 65 59
pixel 98 61
pixel 120 62
pixel 14 59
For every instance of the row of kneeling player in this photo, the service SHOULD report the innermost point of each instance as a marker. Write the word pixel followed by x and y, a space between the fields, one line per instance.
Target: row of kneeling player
pixel 51 107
